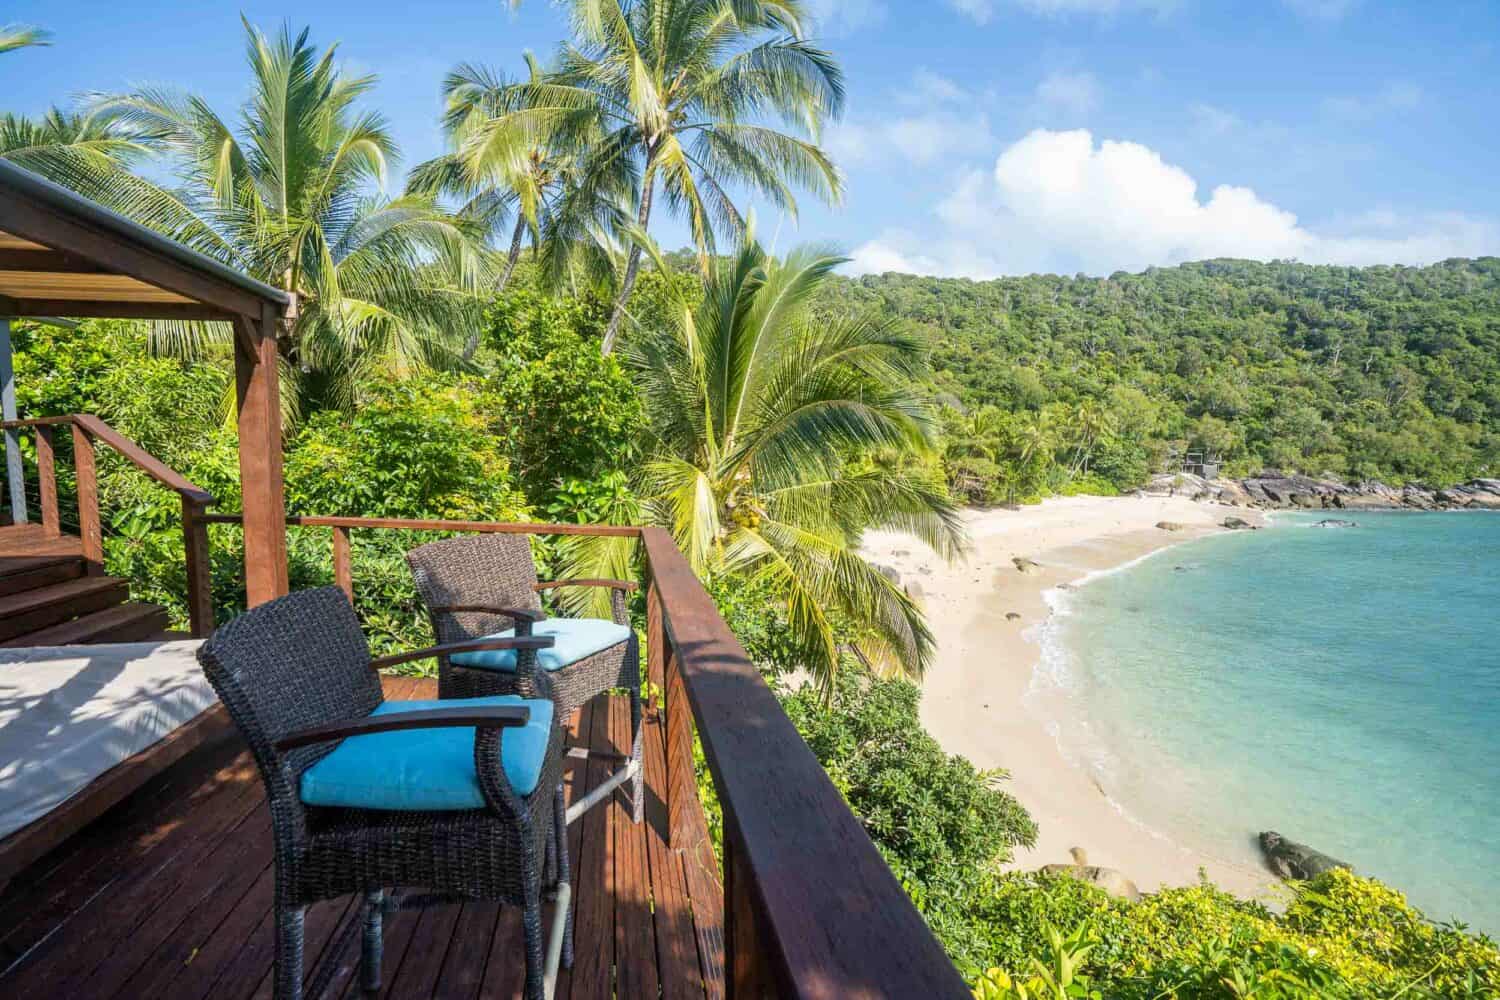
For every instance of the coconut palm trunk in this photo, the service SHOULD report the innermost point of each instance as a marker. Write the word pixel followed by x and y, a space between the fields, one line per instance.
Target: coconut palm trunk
pixel 632 268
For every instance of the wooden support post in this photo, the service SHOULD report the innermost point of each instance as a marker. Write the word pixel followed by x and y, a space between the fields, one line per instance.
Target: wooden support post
pixel 682 783
pixel 199 583
pixel 343 563
pixel 257 380
pixel 88 501
pixel 46 474
pixel 15 475
pixel 656 644
pixel 747 972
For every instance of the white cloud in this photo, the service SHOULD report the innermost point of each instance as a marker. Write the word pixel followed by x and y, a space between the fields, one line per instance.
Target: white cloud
pixel 982 11
pixel 840 17
pixel 942 121
pixel 1074 92
pixel 1396 96
pixel 1059 201
pixel 1321 10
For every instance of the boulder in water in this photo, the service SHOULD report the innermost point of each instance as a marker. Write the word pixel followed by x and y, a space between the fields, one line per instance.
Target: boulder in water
pixel 1169 525
pixel 1334 522
pixel 1291 860
pixel 1238 524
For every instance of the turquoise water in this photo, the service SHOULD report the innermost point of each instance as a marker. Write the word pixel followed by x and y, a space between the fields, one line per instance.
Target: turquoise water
pixel 1341 686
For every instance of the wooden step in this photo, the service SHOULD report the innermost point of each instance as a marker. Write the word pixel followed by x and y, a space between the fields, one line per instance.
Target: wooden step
pixel 33 610
pixel 132 622
pixel 18 574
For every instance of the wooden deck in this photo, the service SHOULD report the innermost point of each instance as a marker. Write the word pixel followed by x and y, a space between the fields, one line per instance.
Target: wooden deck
pixel 169 895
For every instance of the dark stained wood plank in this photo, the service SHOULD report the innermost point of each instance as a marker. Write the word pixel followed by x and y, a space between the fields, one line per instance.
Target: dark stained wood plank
pixel 34 840
pixel 592 977
pixel 681 973
pixel 200 597
pixel 636 972
pixel 418 973
pixel 190 916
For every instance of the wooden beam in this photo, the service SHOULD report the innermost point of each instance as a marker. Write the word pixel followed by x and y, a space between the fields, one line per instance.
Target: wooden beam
pixel 257 380
pixel 45 260
pixel 116 253
pixel 113 310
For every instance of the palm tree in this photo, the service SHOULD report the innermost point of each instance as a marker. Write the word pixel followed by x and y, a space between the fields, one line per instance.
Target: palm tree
pixel 61 142
pixel 287 197
pixel 679 93
pixel 20 36
pixel 490 177
pixel 772 437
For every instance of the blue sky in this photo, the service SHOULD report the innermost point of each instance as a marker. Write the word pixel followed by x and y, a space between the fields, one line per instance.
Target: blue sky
pixel 988 137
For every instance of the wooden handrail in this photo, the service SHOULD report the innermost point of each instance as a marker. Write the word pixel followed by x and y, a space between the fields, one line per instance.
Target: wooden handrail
pixel 811 910
pixel 134 453
pixel 88 429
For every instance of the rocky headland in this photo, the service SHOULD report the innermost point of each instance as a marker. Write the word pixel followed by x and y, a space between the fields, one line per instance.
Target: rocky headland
pixel 1275 490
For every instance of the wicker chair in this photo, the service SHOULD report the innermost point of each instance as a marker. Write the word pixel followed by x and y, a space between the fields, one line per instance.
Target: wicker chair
pixel 297 679
pixel 486 585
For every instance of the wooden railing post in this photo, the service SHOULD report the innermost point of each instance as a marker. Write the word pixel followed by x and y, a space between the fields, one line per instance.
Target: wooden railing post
pixel 88 500
pixel 200 596
pixel 46 474
pixel 747 972
pixel 656 644
pixel 682 783
pixel 343 563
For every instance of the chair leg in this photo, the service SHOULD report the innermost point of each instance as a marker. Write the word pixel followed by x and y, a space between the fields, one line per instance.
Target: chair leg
pixel 289 923
pixel 531 923
pixel 564 872
pixel 372 943
pixel 638 781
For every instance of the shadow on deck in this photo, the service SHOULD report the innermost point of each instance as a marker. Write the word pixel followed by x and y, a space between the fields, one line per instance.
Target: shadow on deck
pixel 169 895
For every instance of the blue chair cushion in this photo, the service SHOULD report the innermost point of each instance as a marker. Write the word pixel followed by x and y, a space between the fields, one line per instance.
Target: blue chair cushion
pixel 421 769
pixel 576 639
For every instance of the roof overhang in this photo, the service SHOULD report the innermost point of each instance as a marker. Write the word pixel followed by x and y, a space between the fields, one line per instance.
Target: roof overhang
pixel 63 255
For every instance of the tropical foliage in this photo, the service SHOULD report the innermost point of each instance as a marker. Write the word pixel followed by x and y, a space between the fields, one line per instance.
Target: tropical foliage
pixel 680 96
pixel 1381 372
pixel 20 36
pixel 284 194
pixel 768 444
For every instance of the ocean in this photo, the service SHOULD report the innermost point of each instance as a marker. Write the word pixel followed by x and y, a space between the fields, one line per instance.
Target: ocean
pixel 1338 685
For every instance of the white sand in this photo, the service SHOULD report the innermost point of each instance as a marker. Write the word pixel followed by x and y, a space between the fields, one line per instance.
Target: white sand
pixel 974 695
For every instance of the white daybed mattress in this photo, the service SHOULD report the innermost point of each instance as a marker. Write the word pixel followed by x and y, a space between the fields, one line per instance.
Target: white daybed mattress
pixel 70 713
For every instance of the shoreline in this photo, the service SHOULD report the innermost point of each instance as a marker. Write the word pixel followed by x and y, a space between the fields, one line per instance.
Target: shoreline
pixel 980 699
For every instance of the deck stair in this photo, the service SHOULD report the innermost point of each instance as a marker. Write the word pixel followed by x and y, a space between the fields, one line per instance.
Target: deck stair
pixel 49 596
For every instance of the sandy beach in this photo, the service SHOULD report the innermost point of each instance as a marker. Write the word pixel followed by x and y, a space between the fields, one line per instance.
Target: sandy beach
pixel 974 697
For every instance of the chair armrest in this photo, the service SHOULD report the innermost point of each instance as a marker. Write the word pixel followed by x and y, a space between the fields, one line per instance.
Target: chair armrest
pixel 476 717
pixel 625 585
pixel 520 614
pixel 468 646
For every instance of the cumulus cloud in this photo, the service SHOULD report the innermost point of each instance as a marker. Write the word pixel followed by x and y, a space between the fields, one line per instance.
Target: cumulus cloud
pixel 1059 201
pixel 840 17
pixel 1065 91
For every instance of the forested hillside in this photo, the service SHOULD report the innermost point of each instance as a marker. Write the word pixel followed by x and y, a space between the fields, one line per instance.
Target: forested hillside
pixel 1381 372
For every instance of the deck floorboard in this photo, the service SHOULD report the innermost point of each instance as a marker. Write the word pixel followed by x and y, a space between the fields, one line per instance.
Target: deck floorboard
pixel 169 894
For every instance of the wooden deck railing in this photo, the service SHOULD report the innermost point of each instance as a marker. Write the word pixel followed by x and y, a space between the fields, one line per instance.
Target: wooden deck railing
pixel 810 907
pixel 87 431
